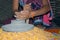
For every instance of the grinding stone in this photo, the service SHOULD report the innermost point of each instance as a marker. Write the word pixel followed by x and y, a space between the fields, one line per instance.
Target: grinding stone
pixel 17 26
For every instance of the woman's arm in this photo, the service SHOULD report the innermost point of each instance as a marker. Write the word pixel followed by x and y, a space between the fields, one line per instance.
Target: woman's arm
pixel 15 5
pixel 45 8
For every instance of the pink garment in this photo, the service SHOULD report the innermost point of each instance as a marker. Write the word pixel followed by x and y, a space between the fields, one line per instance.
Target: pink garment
pixel 46 18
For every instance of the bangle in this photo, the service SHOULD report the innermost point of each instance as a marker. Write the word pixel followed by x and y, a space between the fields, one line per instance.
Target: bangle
pixel 32 14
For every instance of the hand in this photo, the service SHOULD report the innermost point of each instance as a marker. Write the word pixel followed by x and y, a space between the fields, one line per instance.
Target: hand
pixel 27 7
pixel 25 13
pixel 22 15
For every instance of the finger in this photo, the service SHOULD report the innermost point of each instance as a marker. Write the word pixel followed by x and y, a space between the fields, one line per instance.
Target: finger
pixel 25 12
pixel 17 13
pixel 21 17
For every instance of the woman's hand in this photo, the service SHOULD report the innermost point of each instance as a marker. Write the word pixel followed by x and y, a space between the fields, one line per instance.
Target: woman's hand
pixel 25 13
pixel 22 15
pixel 27 7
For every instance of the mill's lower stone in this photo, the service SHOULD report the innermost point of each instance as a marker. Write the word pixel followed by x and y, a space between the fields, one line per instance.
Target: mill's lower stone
pixel 17 26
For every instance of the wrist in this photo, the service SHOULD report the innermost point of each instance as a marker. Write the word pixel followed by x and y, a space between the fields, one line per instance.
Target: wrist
pixel 32 14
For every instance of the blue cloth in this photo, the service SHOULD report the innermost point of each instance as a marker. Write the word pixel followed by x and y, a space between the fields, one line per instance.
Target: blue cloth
pixel 21 2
